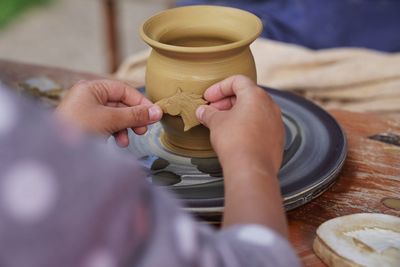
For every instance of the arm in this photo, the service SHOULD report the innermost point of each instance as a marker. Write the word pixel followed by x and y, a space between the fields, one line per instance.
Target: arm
pixel 247 134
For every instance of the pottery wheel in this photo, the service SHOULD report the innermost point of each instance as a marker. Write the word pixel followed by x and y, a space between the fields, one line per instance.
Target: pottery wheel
pixel 315 150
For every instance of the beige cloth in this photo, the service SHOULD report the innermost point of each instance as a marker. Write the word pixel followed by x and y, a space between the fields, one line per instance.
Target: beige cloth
pixel 348 78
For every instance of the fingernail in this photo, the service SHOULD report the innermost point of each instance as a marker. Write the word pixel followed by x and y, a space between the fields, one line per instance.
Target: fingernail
pixel 155 113
pixel 199 113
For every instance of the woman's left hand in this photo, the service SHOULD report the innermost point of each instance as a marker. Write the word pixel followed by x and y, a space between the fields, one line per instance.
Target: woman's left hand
pixel 108 107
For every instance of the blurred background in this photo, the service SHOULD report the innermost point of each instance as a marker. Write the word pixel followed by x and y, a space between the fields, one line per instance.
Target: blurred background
pixel 341 54
pixel 70 33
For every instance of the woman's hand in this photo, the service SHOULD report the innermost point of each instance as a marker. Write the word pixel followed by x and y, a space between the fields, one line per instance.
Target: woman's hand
pixel 108 107
pixel 248 135
pixel 243 117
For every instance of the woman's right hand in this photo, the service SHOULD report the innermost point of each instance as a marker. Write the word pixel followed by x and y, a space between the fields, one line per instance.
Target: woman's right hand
pixel 243 119
pixel 247 134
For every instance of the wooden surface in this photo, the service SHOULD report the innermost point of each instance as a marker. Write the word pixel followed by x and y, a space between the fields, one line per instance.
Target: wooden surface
pixel 13 73
pixel 371 171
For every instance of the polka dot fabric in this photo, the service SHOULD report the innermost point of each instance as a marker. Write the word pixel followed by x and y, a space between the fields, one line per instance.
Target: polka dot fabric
pixel 28 191
pixel 68 200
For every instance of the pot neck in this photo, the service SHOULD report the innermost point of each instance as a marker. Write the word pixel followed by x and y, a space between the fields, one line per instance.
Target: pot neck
pixel 206 55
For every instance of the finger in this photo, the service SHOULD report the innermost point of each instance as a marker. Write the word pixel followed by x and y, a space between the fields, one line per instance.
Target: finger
pixel 117 91
pixel 233 85
pixel 224 104
pixel 116 105
pixel 122 138
pixel 131 117
pixel 140 130
pixel 80 82
pixel 206 115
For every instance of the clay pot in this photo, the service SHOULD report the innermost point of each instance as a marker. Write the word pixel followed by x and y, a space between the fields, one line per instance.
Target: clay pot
pixel 193 48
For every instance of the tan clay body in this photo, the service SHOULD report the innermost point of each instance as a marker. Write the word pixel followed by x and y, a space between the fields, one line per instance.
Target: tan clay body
pixel 193 48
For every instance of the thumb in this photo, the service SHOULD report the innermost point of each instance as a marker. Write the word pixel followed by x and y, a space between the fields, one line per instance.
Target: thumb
pixel 206 115
pixel 132 117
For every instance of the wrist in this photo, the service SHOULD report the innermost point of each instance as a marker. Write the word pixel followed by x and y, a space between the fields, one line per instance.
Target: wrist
pixel 252 193
pixel 248 160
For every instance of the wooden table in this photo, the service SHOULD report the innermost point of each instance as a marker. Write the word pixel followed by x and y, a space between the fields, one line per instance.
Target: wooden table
pixel 371 172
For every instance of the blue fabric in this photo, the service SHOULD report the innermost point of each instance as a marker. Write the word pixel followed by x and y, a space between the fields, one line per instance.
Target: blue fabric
pixel 321 24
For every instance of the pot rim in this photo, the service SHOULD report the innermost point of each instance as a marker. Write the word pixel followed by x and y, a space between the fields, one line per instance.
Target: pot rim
pixel 204 49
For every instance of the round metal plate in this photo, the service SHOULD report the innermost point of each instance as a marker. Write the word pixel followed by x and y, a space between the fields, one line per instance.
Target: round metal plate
pixel 315 150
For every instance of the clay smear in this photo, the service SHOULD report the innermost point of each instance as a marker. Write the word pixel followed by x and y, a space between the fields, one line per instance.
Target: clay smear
pixel 392 203
pixel 183 104
pixel 376 238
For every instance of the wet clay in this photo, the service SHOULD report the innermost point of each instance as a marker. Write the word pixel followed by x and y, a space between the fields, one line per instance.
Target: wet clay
pixel 183 104
pixel 165 178
pixel 194 47
pixel 208 165
pixel 392 203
